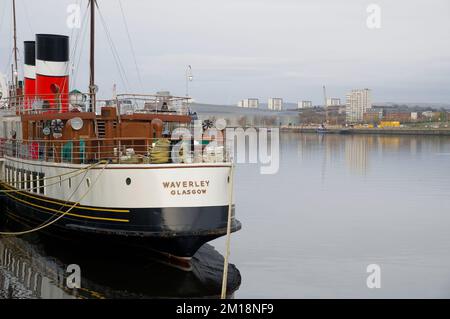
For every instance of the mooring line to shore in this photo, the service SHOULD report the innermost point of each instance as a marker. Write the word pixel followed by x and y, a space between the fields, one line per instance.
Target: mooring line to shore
pixel 228 240
pixel 63 213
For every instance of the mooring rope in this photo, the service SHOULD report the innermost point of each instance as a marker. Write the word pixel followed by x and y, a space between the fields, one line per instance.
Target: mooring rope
pixel 63 213
pixel 228 241
pixel 76 173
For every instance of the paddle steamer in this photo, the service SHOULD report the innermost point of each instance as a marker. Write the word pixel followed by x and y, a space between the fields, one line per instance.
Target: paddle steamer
pixel 113 167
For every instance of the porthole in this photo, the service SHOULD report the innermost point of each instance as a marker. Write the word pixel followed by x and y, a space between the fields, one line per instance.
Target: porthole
pixel 128 181
pixel 88 182
pixel 70 183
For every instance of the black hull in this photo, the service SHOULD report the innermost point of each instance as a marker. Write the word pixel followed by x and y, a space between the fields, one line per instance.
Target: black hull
pixel 178 232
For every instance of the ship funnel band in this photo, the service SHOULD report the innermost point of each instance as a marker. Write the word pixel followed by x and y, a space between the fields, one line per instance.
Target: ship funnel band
pixel 52 47
pixel 51 68
pixel 29 71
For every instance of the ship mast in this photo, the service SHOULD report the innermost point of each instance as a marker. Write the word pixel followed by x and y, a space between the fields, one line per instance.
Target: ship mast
pixel 92 87
pixel 16 69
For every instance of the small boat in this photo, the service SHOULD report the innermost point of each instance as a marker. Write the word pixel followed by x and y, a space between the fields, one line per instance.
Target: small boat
pixel 322 129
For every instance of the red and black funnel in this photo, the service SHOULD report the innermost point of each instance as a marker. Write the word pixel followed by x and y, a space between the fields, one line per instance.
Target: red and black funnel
pixel 52 71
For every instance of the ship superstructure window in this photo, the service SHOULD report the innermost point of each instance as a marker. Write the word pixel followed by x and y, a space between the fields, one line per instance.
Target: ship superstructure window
pixel 35 182
pixel 10 175
pixel 20 179
pixel 24 179
pixel 41 183
pixel 7 174
pixel 16 178
pixel 29 181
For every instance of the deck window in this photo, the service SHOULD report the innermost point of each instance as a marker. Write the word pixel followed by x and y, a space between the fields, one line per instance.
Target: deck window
pixel 29 181
pixel 41 183
pixel 35 182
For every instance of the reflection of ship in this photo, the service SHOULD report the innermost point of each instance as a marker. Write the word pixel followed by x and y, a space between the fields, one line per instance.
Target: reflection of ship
pixel 35 267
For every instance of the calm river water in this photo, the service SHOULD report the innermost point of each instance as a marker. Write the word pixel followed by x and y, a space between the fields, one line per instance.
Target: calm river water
pixel 338 204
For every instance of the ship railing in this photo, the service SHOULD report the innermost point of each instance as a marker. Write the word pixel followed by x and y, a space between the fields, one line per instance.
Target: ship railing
pixel 126 104
pixel 117 151
pixel 144 103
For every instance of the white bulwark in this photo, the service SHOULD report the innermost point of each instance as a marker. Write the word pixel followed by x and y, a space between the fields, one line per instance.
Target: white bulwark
pixel 275 104
pixel 358 102
pixel 249 103
pixel 305 104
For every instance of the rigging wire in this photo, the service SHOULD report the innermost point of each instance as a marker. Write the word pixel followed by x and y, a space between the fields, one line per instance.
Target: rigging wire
pixel 80 38
pixel 8 65
pixel 2 18
pixel 83 41
pixel 75 42
pixel 114 50
pixel 27 16
pixel 119 65
pixel 131 46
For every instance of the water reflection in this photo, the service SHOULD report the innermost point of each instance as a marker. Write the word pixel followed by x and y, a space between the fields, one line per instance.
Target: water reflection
pixel 334 208
pixel 359 150
pixel 36 267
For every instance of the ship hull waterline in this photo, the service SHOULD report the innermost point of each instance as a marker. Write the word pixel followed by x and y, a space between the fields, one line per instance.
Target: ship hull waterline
pixel 202 224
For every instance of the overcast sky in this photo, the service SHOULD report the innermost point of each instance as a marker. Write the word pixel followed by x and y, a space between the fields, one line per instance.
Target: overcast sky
pixel 257 48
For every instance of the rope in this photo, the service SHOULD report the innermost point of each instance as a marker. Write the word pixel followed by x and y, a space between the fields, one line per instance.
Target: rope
pixel 228 241
pixel 79 41
pixel 64 213
pixel 131 46
pixel 114 51
pixel 76 173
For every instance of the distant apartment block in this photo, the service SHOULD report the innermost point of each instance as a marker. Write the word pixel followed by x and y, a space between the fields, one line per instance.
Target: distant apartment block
pixel 249 103
pixel 373 116
pixel 305 104
pixel 275 104
pixel 333 101
pixel 358 102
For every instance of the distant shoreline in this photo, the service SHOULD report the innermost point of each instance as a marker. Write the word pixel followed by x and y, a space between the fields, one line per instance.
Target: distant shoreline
pixel 374 131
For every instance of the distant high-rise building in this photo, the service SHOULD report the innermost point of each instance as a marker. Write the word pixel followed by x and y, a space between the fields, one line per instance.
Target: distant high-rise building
pixel 333 101
pixel 249 103
pixel 305 104
pixel 275 104
pixel 358 102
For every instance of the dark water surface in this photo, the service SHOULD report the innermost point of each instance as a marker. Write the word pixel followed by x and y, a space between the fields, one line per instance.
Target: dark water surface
pixel 338 204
